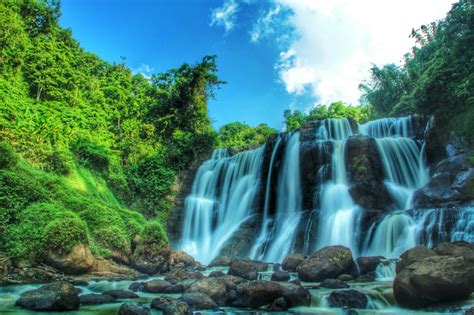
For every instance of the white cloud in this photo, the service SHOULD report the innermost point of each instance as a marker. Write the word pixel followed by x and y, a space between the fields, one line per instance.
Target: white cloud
pixel 144 70
pixel 225 16
pixel 334 42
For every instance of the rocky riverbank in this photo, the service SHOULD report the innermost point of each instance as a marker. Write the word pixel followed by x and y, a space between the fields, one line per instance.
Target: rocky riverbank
pixel 435 280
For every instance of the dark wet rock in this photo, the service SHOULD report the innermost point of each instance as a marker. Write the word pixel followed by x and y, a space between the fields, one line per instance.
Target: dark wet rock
pixel 79 260
pixel 469 311
pixel 244 269
pixel 57 296
pixel 150 262
pixel 348 298
pixel 333 284
pixel 180 275
pixel 366 174
pixel 186 283
pixel 136 286
pixel 171 306
pixel 280 276
pixel 452 183
pixel 156 286
pixel 259 293
pixel 215 288
pixel 94 299
pixel 432 279
pixel 412 255
pixel 292 261
pixel 277 267
pixel 349 311
pixel 368 264
pixel 327 263
pixel 345 277
pixel 279 305
pixel 184 259
pixel 133 308
pixel 238 244
pixel 79 282
pixel 295 294
pixel 122 294
pixel 459 248
pixel 216 273
pixel 222 261
pixel 198 301
pixel 368 277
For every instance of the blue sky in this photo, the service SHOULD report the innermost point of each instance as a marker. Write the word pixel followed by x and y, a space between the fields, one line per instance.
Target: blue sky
pixel 274 54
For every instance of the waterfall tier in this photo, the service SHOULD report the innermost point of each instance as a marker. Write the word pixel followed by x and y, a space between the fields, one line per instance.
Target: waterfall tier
pixel 332 183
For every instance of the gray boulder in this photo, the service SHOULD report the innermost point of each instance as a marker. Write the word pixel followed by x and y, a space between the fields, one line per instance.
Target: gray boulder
pixel 57 296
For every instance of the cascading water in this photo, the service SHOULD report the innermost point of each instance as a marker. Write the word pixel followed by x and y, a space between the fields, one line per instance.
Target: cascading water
pixel 295 217
pixel 338 214
pixel 405 171
pixel 222 198
pixel 288 203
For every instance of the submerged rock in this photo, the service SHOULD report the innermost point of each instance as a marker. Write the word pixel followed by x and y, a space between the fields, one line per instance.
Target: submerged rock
pixel 132 308
pixel 348 298
pixel 333 284
pixel 121 294
pixel 57 296
pixel 292 261
pixel 94 299
pixel 328 262
pixel 79 260
pixel 429 279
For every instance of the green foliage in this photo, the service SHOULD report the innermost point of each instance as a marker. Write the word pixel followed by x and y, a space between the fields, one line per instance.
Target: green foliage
pixel 296 119
pixel 437 77
pixel 151 181
pixel 8 158
pixel 31 237
pixel 471 159
pixel 240 135
pixel 154 237
pixel 62 234
pixel 112 237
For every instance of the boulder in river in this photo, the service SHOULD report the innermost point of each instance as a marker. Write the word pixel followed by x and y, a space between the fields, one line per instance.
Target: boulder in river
pixel 327 263
pixel 156 286
pixel 348 298
pixel 333 284
pixel 198 301
pixel 56 296
pixel 79 260
pixel 133 308
pixel 171 306
pixel 150 262
pixel 216 288
pixel 181 275
pixel 280 276
pixel 433 278
pixel 244 269
pixel 292 261
pixel 368 264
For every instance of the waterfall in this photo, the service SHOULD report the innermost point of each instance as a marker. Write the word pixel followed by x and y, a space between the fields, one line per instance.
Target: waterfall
pixel 405 171
pixel 288 203
pixel 338 218
pixel 222 197
pixel 259 248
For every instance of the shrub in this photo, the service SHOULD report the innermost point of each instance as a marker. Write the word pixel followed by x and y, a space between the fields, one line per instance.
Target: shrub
pixel 62 234
pixel 97 216
pixel 92 155
pixel 153 237
pixel 26 238
pixel 59 162
pixel 112 237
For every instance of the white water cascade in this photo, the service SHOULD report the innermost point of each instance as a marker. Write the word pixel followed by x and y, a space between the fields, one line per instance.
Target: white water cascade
pixel 338 217
pixel 405 171
pixel 288 204
pixel 222 198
